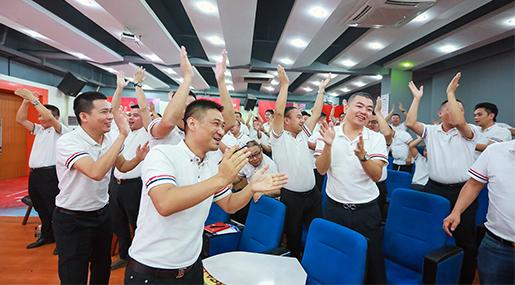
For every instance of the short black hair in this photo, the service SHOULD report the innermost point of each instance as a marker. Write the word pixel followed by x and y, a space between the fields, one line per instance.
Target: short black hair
pixel 446 101
pixel 135 106
pixel 490 108
pixel 361 94
pixel 252 143
pixel 236 112
pixel 198 108
pixel 323 115
pixel 84 103
pixel 53 109
pixel 287 110
pixel 270 111
pixel 189 94
pixel 396 114
pixel 304 113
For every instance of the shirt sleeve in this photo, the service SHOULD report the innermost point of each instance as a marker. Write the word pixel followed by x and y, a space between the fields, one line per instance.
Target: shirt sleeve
pixel 222 193
pixel 64 129
pixel 377 148
pixel 36 129
pixel 479 170
pixel 406 137
pixel 152 124
pixel 157 169
pixel 69 152
pixel 427 131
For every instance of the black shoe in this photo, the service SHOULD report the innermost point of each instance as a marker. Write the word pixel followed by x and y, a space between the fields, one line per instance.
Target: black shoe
pixel 55 251
pixel 119 264
pixel 39 242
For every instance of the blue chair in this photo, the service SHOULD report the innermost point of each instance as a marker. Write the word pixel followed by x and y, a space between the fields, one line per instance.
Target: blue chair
pixel 262 232
pixel 216 214
pixel 334 254
pixel 397 179
pixel 390 162
pixel 415 246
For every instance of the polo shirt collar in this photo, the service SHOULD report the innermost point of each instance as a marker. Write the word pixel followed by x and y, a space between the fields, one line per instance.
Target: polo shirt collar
pixel 365 132
pixel 82 133
pixel 192 156
pixel 450 131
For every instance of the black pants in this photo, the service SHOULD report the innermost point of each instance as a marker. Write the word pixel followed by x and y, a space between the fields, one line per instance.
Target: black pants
pixel 195 275
pixel 381 200
pixel 465 233
pixel 319 179
pixel 405 168
pixel 301 209
pixel 366 220
pixel 83 240
pixel 124 202
pixel 43 187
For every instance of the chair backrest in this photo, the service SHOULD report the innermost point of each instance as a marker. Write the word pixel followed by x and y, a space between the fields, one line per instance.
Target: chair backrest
pixel 414 227
pixel 216 214
pixel 397 179
pixel 334 254
pixel 390 162
pixel 264 226
pixel 482 207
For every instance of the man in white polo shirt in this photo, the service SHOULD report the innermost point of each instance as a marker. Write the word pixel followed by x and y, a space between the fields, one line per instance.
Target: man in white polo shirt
pixel 85 157
pixel 181 182
pixel 495 166
pixel 353 157
pixel 450 152
pixel 42 177
pixel 400 151
pixel 290 150
pixel 485 116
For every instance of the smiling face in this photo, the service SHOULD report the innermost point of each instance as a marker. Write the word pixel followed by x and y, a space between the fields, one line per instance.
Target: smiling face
pixel 100 116
pixel 293 121
pixel 134 118
pixel 359 110
pixel 208 129
pixel 396 120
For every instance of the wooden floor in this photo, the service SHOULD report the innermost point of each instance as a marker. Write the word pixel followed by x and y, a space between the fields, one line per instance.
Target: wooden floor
pixel 19 265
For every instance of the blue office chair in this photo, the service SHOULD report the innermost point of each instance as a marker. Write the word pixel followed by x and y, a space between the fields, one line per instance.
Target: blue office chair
pixel 390 162
pixel 334 254
pixel 415 246
pixel 397 179
pixel 262 232
pixel 216 214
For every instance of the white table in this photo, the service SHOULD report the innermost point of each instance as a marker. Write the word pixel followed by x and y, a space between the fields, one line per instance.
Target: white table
pixel 240 267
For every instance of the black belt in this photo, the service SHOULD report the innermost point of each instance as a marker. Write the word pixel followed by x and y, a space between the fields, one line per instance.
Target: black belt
pixel 303 194
pixel 353 207
pixel 158 272
pixel 82 213
pixel 126 181
pixel 44 168
pixel 452 185
pixel 504 242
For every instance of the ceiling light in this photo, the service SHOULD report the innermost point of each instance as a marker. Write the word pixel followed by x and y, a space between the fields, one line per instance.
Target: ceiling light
pixel 375 45
pixel 152 57
pixel 353 25
pixel 227 73
pixel 34 34
pixel 180 80
pixel 228 81
pixel 377 77
pixel 206 7
pixel 359 83
pixel 406 64
pixel 348 63
pixel 318 12
pixel 269 88
pixel 286 61
pixel 274 82
pixel 145 86
pixel 510 22
pixel 216 40
pixel 345 89
pixel 325 75
pixel 230 87
pixel 169 70
pixel 316 83
pixel 273 72
pixel 420 18
pixel 308 89
pixel 89 3
pixel 332 94
pixel 298 42
pixel 79 55
pixel 448 48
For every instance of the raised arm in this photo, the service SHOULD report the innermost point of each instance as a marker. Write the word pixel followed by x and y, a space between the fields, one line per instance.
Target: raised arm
pixel 21 116
pixel 413 146
pixel 175 108
pixel 280 102
pixel 323 160
pixel 117 96
pixel 384 128
pixel 225 98
pixel 389 115
pixel 319 104
pixel 139 77
pixel 124 165
pixel 457 115
pixel 411 117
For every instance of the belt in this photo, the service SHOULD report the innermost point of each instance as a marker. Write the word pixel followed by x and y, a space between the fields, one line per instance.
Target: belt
pixel 44 168
pixel 303 194
pixel 82 213
pixel 353 207
pixel 158 272
pixel 504 242
pixel 452 185
pixel 127 181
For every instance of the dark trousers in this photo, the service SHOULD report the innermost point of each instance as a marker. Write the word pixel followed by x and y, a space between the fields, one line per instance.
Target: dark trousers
pixel 405 168
pixel 301 209
pixel 43 187
pixel 319 179
pixel 465 233
pixel 366 220
pixel 381 200
pixel 194 275
pixel 83 241
pixel 124 202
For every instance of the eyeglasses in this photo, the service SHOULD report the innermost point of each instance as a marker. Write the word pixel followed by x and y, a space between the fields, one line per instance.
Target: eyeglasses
pixel 255 155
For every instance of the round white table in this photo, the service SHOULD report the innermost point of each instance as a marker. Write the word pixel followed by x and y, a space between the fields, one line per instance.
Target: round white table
pixel 240 267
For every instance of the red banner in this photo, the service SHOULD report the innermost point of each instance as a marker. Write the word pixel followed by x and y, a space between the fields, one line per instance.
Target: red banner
pixel 235 101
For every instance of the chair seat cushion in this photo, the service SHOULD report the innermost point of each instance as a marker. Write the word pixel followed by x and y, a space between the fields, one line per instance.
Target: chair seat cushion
pixel 398 274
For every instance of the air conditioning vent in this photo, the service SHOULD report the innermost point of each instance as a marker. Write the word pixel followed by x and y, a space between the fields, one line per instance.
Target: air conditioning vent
pixel 257 77
pixel 402 3
pixel 363 12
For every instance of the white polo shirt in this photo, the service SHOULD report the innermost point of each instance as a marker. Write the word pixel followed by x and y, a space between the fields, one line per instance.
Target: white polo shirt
pixel 400 147
pixel 347 182
pixel 135 138
pixel 244 129
pixel 242 139
pixel 421 175
pixel 173 138
pixel 293 157
pixel 494 133
pixel 265 140
pixel 449 154
pixel 43 148
pixel 267 126
pixel 249 170
pixel 174 241
pixel 400 127
pixel 496 166
pixel 77 191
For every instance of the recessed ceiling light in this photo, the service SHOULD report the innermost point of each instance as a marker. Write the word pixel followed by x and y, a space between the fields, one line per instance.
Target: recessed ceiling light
pixel 406 64
pixel 152 57
pixel 298 42
pixel 345 89
pixel 79 55
pixel 308 89
pixel 353 25
pixel 375 45
pixel 269 88
pixel 325 75
pixel 420 18
pixel 274 82
pixel 315 82
pixel 216 40
pixel 358 83
pixel 169 70
pixel 206 7
pixel 318 12
pixel 377 77
pixel 89 3
pixel 448 48
pixel 228 81
pixel 348 63
pixel 510 22
pixel 34 34
pixel 286 61
pixel 332 94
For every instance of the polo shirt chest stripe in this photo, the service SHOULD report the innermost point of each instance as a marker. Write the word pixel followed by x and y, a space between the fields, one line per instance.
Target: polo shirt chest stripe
pixel 74 157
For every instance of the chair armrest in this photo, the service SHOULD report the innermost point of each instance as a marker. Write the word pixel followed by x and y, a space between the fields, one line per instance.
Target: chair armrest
pixel 443 266
pixel 280 251
pixel 215 244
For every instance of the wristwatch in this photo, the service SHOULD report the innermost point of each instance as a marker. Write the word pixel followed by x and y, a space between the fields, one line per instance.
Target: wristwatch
pixel 137 84
pixel 365 158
